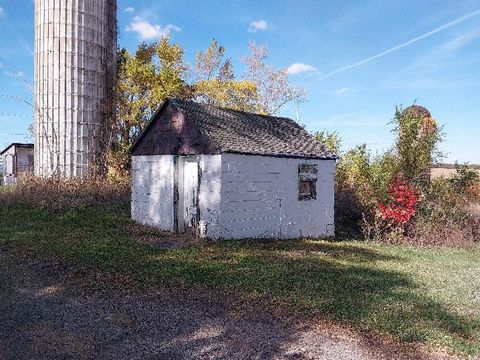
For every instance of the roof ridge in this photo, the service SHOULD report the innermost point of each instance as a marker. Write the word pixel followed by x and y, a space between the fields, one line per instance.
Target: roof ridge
pixel 196 103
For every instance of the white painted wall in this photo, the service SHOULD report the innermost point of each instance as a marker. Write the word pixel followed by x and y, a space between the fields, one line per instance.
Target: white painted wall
pixel 8 159
pixel 152 190
pixel 210 195
pixel 241 196
pixel 16 157
pixel 260 199
pixel 24 160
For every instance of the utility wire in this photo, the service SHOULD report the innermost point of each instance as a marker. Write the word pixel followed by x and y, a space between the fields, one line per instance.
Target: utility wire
pixel 14 97
pixel 5 134
pixel 16 115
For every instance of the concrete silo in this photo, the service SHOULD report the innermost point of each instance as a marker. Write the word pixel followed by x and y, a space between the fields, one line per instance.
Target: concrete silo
pixel 75 47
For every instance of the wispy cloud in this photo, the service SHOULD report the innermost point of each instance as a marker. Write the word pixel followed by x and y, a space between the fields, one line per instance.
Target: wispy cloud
pixel 341 91
pixel 145 30
pixel 257 26
pixel 433 68
pixel 18 74
pixel 403 45
pixel 298 68
pixel 460 41
pixel 443 55
pixel 2 12
pixel 130 9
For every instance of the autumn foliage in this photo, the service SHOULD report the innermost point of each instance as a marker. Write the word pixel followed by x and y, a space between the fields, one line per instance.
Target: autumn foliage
pixel 403 204
pixel 146 77
pixel 392 197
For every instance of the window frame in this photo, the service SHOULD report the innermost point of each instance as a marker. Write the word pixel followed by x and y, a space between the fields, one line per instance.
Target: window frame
pixel 307 174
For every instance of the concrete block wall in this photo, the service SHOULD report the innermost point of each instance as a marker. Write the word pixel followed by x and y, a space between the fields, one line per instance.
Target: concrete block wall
pixel 210 195
pixel 241 196
pixel 260 198
pixel 153 191
pixel 16 162
pixel 8 161
pixel 24 160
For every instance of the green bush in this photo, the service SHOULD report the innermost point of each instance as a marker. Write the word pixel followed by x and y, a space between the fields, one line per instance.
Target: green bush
pixel 442 210
pixel 445 216
pixel 362 181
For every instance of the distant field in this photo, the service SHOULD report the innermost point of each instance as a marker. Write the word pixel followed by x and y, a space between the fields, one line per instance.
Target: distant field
pixel 444 171
pixel 449 171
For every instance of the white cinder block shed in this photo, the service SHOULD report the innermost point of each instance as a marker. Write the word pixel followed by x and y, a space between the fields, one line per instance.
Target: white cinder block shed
pixel 16 161
pixel 220 173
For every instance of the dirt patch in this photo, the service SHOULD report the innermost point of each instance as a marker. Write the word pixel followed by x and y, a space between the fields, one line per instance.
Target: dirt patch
pixel 46 312
pixel 161 239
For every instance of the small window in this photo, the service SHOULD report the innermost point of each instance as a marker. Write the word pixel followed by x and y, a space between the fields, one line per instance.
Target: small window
pixel 307 182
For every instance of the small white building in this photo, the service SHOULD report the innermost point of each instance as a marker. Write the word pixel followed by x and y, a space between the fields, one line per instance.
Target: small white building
pixel 226 174
pixel 16 161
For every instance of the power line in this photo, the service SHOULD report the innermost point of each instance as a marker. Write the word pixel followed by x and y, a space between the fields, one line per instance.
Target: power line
pixel 16 115
pixel 18 73
pixel 14 97
pixel 18 77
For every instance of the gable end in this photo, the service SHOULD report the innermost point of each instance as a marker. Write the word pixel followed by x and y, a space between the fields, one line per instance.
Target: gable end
pixel 170 132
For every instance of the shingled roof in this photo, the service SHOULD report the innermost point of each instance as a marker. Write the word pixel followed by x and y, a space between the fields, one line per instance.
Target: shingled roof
pixel 18 145
pixel 248 133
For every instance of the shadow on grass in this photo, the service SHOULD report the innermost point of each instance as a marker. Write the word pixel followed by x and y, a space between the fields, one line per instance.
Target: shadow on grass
pixel 339 282
pixel 334 249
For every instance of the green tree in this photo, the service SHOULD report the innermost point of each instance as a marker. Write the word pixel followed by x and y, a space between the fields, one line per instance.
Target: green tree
pixel 157 71
pixel 144 79
pixel 366 174
pixel 332 140
pixel 464 178
pixel 215 81
pixel 366 178
pixel 418 136
pixel 233 94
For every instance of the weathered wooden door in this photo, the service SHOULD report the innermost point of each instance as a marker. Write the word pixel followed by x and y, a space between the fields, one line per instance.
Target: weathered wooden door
pixel 190 196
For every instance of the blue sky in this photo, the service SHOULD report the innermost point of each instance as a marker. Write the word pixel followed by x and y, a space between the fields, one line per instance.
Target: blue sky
pixel 356 59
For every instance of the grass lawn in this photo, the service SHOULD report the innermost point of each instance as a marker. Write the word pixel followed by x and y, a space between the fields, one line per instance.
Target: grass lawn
pixel 431 296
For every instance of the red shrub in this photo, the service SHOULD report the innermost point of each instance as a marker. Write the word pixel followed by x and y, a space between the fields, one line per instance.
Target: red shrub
pixel 403 204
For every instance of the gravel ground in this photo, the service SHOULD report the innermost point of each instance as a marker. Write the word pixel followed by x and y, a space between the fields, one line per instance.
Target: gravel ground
pixel 44 314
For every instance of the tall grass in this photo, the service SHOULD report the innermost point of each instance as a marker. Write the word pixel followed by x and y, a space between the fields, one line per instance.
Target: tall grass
pixel 58 193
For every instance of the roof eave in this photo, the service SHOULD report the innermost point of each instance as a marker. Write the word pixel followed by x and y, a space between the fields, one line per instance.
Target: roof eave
pixel 280 155
pixel 22 145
